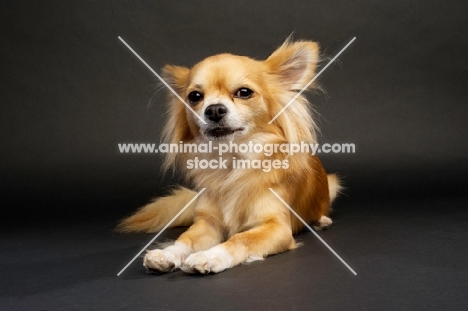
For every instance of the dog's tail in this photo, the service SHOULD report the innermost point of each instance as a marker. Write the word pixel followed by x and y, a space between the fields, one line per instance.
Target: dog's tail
pixel 154 216
pixel 334 186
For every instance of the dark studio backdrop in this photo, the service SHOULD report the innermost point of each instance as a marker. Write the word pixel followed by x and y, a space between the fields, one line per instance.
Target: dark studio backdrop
pixel 71 91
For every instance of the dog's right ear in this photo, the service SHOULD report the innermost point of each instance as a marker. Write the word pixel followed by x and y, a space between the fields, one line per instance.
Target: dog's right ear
pixel 176 77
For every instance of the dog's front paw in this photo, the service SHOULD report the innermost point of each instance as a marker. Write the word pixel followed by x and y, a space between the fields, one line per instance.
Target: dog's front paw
pixel 323 223
pixel 214 260
pixel 166 260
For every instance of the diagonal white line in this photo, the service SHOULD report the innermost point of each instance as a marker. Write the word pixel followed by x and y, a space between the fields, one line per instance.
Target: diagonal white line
pixel 313 231
pixel 311 81
pixel 162 80
pixel 160 232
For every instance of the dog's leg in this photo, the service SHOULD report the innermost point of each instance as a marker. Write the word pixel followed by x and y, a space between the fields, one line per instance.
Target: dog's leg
pixel 206 232
pixel 271 237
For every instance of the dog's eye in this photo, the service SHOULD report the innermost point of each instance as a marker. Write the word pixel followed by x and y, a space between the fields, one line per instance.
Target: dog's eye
pixel 244 93
pixel 194 97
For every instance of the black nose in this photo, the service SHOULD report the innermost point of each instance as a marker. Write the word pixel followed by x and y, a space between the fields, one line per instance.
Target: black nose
pixel 216 112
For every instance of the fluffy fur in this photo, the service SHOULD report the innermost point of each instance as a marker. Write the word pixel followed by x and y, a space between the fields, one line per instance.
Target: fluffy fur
pixel 237 218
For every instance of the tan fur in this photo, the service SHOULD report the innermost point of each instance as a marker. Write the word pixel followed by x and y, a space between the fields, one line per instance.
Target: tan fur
pixel 237 209
pixel 154 216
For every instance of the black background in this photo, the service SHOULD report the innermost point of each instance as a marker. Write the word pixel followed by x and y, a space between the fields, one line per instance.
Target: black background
pixel 71 91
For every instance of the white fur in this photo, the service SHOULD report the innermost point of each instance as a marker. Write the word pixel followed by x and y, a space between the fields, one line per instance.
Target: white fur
pixel 253 258
pixel 167 259
pixel 215 260
pixel 334 186
pixel 322 223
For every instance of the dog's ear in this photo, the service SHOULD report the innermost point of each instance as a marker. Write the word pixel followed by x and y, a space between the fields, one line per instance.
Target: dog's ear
pixel 176 77
pixel 177 127
pixel 294 63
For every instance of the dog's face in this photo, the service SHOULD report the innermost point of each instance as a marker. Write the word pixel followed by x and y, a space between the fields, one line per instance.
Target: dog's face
pixel 227 91
pixel 237 95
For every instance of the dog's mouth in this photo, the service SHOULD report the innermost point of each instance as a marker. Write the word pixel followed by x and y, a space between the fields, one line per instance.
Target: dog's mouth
pixel 223 131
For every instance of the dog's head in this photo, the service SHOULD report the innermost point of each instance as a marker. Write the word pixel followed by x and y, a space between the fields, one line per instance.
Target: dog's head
pixel 237 96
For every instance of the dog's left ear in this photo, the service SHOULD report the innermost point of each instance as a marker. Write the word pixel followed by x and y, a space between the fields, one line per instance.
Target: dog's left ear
pixel 294 63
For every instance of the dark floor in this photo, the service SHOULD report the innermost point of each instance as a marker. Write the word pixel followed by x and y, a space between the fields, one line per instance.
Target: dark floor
pixel 408 255
pixel 71 91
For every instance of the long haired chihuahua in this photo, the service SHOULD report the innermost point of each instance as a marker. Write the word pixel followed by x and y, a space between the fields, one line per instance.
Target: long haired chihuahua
pixel 237 218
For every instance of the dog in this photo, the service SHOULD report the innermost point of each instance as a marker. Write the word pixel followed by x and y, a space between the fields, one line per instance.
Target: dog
pixel 238 218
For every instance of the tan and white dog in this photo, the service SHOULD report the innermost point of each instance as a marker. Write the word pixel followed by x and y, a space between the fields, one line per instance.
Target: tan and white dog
pixel 238 219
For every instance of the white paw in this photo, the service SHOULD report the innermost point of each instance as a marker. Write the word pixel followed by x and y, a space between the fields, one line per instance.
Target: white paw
pixel 168 259
pixel 213 260
pixel 323 223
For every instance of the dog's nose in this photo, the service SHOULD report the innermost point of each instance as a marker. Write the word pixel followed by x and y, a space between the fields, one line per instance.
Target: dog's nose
pixel 216 112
